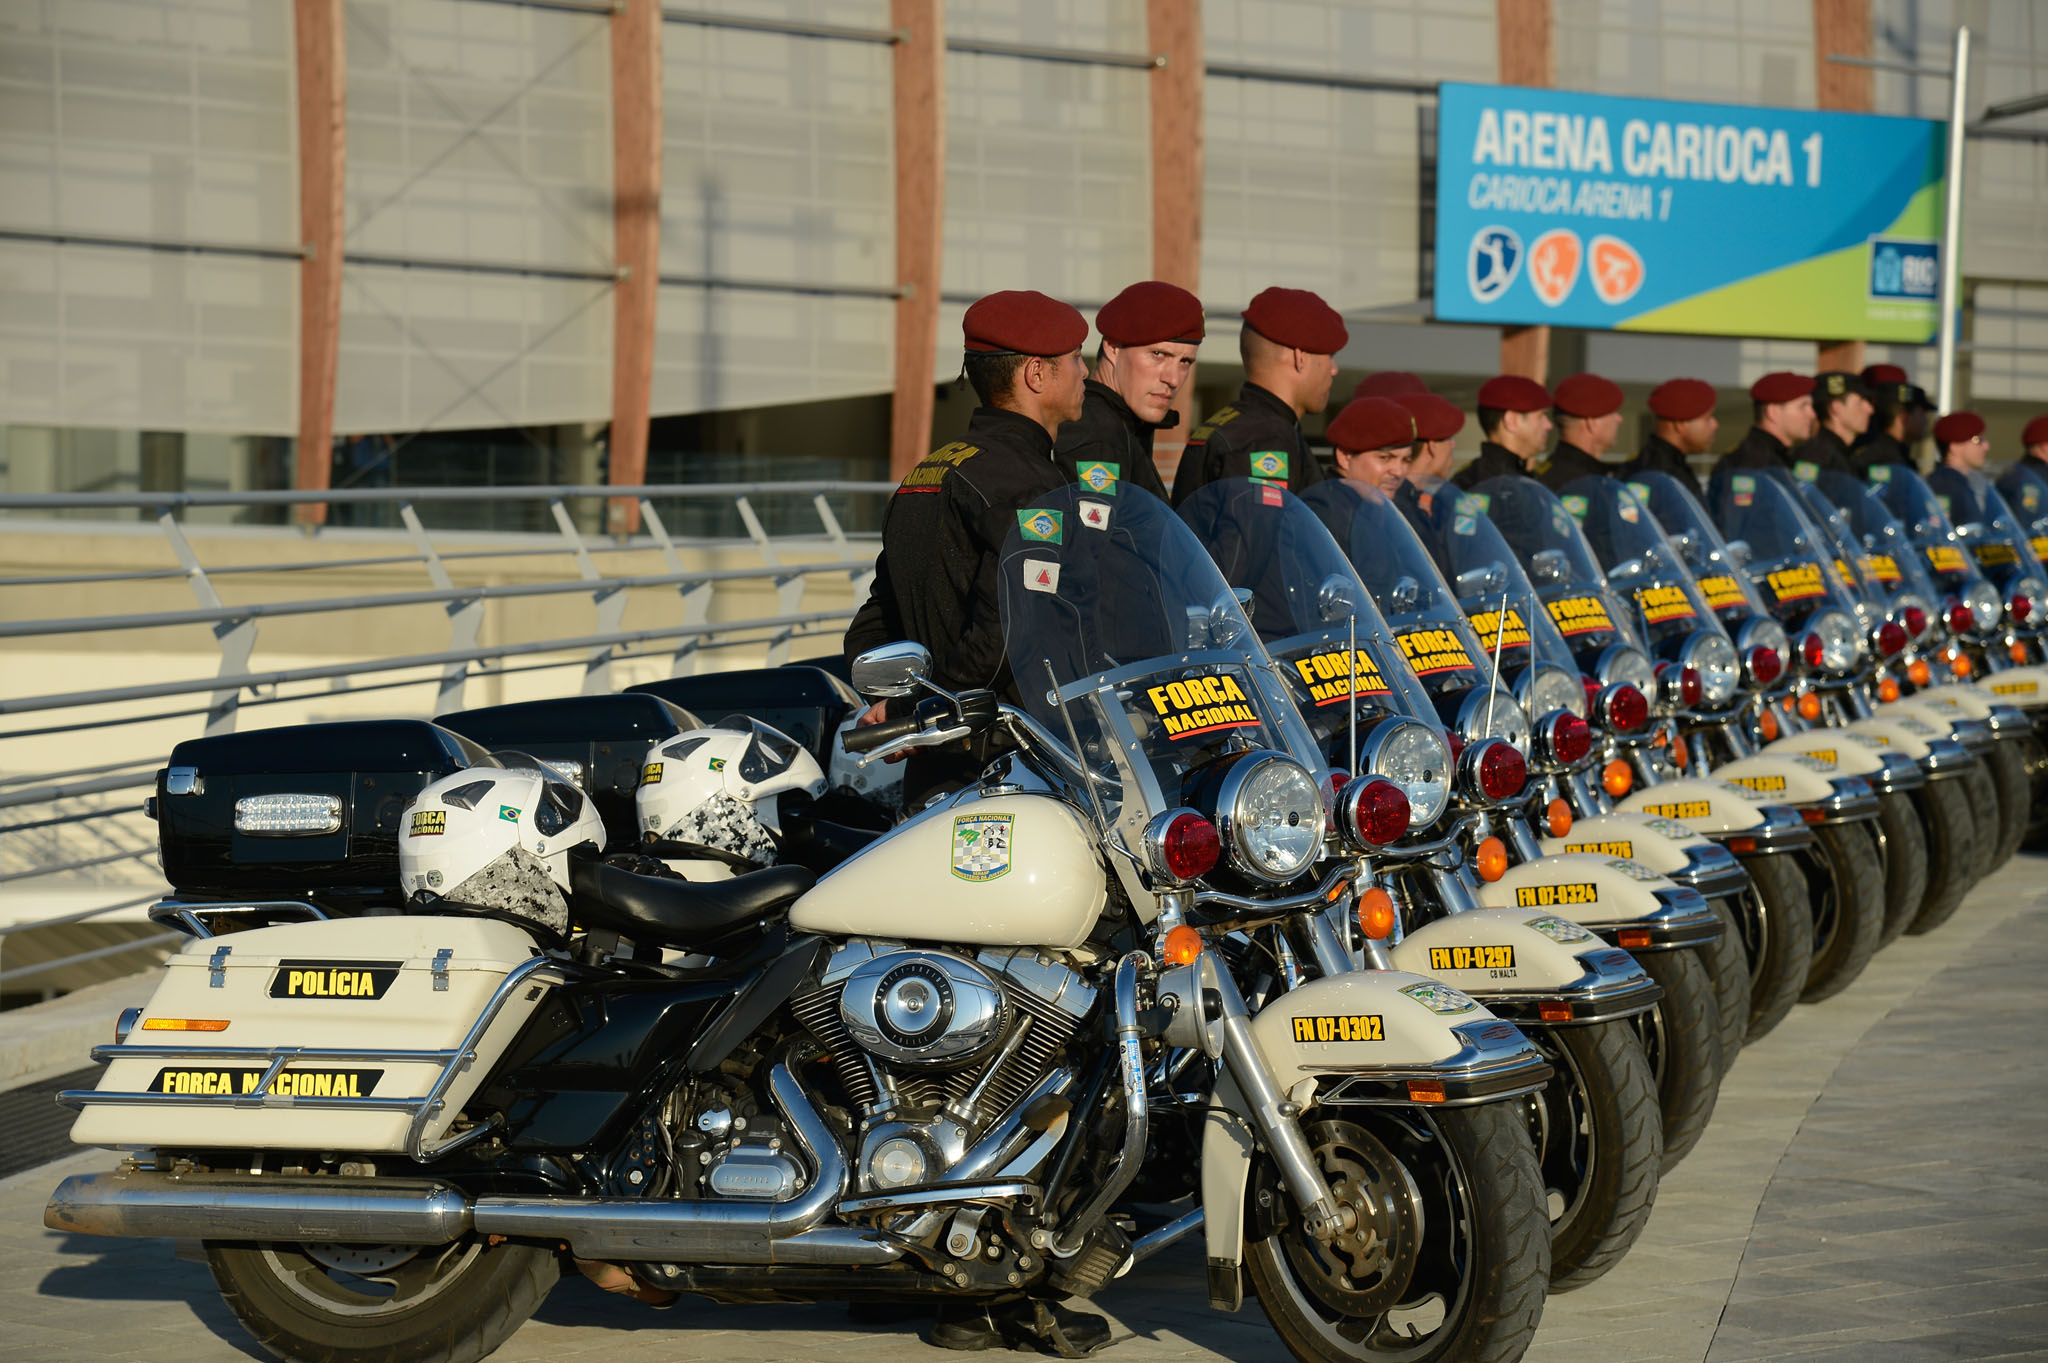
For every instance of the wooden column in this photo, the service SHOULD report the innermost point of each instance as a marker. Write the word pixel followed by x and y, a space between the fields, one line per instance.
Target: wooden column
pixel 636 233
pixel 322 86
pixel 919 79
pixel 1841 26
pixel 1173 31
pixel 1528 56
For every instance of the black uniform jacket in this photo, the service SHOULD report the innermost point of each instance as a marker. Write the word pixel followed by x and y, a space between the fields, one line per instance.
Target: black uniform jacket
pixel 1962 494
pixel 1110 434
pixel 1876 449
pixel 1258 436
pixel 1659 455
pixel 2014 484
pixel 935 579
pixel 1567 464
pixel 1494 461
pixel 1826 451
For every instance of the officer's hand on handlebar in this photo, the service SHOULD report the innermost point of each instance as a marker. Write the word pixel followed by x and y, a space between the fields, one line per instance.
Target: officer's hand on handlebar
pixel 875 714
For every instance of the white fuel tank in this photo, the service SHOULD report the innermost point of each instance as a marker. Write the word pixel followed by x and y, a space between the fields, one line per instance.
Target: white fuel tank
pixel 1709 806
pixel 1657 843
pixel 1007 870
pixel 2026 687
pixel 1840 750
pixel 1774 778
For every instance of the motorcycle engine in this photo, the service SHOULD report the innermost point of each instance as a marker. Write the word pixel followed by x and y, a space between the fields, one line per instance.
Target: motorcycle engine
pixel 934 1047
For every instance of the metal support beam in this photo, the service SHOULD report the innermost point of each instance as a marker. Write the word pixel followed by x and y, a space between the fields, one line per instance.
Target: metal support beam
pixel 323 135
pixel 1173 28
pixel 918 67
pixel 1952 225
pixel 236 634
pixel 1528 56
pixel 636 227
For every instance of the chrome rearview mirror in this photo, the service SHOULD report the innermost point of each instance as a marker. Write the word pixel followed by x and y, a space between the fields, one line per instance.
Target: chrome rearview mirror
pixel 1485 580
pixel 891 670
pixel 1548 566
pixel 1402 598
pixel 1738 553
pixel 1335 599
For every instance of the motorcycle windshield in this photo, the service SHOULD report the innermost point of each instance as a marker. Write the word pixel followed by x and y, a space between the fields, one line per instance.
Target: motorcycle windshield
pixel 1722 582
pixel 1393 562
pixel 2004 550
pixel 1116 618
pixel 1642 564
pixel 1789 561
pixel 1495 593
pixel 2026 496
pixel 1542 532
pixel 1308 605
pixel 1906 494
pixel 1868 594
pixel 1890 558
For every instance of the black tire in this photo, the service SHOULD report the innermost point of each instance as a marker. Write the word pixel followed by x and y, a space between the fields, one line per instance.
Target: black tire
pixel 1777 934
pixel 460 1301
pixel 1599 1142
pixel 1728 967
pixel 1847 888
pixel 1951 851
pixel 2015 798
pixel 1681 1038
pixel 1905 863
pixel 1982 792
pixel 1483 1249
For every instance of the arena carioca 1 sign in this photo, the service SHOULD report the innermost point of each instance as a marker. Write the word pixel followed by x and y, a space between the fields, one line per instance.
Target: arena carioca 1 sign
pixel 1653 215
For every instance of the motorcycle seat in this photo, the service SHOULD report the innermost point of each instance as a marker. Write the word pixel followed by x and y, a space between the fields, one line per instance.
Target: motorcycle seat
pixel 688 915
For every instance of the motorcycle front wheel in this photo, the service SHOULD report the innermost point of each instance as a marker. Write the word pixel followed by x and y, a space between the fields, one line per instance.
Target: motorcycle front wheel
pixel 382 1303
pixel 1846 883
pixel 1599 1142
pixel 2008 769
pixel 1727 963
pixel 1777 934
pixel 1681 1036
pixel 1450 1254
pixel 1951 852
pixel 1905 863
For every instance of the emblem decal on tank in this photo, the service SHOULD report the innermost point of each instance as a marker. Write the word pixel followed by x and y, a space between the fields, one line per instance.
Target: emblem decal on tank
pixel 981 845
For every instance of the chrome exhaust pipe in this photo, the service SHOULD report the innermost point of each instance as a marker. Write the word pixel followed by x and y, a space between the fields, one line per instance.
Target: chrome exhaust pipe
pixel 147 1203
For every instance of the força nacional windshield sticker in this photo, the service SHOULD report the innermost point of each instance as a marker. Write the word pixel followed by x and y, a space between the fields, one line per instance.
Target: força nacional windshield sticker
pixel 1842 569
pixel 1721 591
pixel 1329 679
pixel 981 845
pixel 333 979
pixel 1491 631
pixel 1995 554
pixel 1944 558
pixel 2040 546
pixel 1883 567
pixel 1201 705
pixel 1431 650
pixel 1659 604
pixel 1580 615
pixel 1797 582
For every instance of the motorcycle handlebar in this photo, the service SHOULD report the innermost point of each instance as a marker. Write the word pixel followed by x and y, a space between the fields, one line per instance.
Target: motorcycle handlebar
pixel 871 736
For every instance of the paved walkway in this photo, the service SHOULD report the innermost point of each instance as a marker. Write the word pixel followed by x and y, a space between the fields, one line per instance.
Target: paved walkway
pixel 1874 1187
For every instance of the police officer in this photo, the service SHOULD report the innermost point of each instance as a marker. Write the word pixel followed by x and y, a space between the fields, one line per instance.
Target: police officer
pixel 1514 418
pixel 1437 423
pixel 1958 478
pixel 1375 442
pixel 1588 415
pixel 2032 464
pixel 1841 410
pixel 1783 406
pixel 1149 334
pixel 935 579
pixel 1686 424
pixel 1289 345
pixel 1884 441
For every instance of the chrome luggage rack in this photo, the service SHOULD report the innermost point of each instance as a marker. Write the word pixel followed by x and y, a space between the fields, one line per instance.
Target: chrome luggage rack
pixel 537 970
pixel 189 915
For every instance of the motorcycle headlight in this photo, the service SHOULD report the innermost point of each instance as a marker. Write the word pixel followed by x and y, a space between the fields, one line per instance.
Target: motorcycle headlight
pixel 1271 816
pixel 1839 645
pixel 1711 655
pixel 1620 663
pixel 1493 714
pixel 1760 631
pixel 1985 608
pixel 1414 757
pixel 1544 689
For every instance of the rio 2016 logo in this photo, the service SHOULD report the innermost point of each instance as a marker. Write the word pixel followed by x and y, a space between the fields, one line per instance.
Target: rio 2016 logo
pixel 1493 262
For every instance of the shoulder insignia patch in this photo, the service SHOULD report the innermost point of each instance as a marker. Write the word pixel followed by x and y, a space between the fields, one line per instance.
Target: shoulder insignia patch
pixel 1040 526
pixel 1269 464
pixel 1100 476
pixel 931 471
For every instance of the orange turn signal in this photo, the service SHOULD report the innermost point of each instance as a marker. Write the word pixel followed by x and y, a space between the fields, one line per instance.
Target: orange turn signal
pixel 1767 724
pixel 1633 938
pixel 2018 652
pixel 1809 707
pixel 1557 1011
pixel 1557 816
pixel 1491 860
pixel 185 1025
pixel 1425 1090
pixel 1182 945
pixel 1919 673
pixel 1376 914
pixel 1616 778
pixel 1961 665
pixel 1888 690
pixel 1742 846
pixel 1679 754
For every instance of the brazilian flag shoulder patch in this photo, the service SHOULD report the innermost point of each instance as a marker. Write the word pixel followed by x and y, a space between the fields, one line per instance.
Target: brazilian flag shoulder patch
pixel 1040 526
pixel 1269 464
pixel 1101 476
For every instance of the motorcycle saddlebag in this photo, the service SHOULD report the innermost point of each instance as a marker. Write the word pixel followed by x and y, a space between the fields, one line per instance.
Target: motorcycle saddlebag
pixel 337 845
pixel 400 994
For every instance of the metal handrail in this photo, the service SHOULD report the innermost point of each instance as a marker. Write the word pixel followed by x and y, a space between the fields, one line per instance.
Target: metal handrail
pixel 521 492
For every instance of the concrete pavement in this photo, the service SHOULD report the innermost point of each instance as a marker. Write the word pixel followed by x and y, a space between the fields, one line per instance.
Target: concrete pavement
pixel 1874 1187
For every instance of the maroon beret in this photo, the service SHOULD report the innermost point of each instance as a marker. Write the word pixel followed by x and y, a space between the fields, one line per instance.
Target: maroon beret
pixel 1435 418
pixel 1298 319
pixel 1681 399
pixel 1957 427
pixel 1588 395
pixel 1389 383
pixel 1877 375
pixel 1023 322
pixel 1780 387
pixel 2036 432
pixel 1513 393
pixel 1151 312
pixel 1371 424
